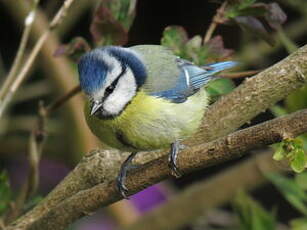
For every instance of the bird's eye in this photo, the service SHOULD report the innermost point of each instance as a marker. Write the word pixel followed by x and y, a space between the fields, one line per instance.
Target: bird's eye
pixel 110 89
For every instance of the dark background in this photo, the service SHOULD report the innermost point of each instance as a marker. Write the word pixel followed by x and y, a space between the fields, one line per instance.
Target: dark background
pixel 151 19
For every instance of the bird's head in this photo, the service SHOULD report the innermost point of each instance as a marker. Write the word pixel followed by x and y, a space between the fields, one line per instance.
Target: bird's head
pixel 110 76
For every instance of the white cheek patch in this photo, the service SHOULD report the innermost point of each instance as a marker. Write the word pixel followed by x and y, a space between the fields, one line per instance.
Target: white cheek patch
pixel 115 71
pixel 123 93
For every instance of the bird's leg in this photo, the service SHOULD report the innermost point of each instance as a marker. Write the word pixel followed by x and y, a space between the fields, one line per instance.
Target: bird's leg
pixel 120 181
pixel 175 147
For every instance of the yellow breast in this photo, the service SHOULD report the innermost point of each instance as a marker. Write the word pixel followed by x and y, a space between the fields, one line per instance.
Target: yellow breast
pixel 149 123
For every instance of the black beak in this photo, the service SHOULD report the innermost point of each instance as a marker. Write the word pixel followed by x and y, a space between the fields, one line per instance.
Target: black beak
pixel 96 105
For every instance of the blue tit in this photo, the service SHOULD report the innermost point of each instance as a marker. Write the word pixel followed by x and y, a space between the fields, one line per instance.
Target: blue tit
pixel 144 98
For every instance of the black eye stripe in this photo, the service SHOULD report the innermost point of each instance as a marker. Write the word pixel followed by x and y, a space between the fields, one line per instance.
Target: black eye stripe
pixel 112 86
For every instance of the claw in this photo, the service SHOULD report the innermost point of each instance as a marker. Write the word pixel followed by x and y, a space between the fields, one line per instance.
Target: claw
pixel 123 190
pixel 174 170
pixel 121 178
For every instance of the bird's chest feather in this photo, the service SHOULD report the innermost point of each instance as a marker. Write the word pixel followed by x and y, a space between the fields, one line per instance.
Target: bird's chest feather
pixel 149 123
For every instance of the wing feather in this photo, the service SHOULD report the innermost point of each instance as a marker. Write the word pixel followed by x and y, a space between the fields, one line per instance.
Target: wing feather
pixel 191 79
pixel 172 78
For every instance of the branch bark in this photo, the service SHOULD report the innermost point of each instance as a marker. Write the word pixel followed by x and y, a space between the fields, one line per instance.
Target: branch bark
pixel 91 184
pixel 191 159
pixel 206 195
pixel 254 96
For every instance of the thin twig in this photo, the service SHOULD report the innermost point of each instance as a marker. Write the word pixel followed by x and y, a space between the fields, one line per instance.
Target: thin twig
pixel 60 101
pixel 57 69
pixel 36 141
pixel 216 20
pixel 20 53
pixel 240 74
pixel 286 41
pixel 2 225
pixel 58 18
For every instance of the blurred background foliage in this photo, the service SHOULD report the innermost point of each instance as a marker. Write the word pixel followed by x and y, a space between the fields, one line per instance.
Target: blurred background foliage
pixel 255 33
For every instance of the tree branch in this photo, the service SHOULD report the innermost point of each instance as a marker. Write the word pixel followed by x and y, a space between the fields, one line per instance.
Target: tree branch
pixel 90 184
pixel 216 20
pixel 202 197
pixel 241 74
pixel 190 159
pixel 254 96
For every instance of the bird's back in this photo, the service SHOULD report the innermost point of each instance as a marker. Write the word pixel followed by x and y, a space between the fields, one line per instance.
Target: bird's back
pixel 161 66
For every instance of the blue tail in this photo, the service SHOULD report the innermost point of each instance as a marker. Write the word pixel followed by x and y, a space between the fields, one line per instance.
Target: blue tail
pixel 191 79
pixel 200 76
pixel 219 66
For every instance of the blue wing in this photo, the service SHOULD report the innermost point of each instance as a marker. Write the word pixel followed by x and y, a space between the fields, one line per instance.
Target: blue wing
pixel 191 79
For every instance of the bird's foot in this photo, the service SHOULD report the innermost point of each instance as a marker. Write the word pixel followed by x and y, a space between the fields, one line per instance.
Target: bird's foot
pixel 121 187
pixel 174 170
pixel 121 178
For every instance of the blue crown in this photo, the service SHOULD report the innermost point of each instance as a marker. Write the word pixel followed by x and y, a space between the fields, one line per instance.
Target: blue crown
pixel 92 72
pixel 93 69
pixel 129 59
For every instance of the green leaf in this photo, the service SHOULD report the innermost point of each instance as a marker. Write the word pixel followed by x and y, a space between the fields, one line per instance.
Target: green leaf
pixel 298 161
pixel 254 10
pixel 296 100
pixel 220 87
pixel 235 7
pixel 195 42
pixel 123 11
pixel 301 180
pixel 251 215
pixel 112 21
pixel 299 224
pixel 255 17
pixel 291 191
pixel 246 3
pixel 279 153
pixel 175 37
pixel 278 111
pixel 195 51
pixel 5 192
pixel 293 150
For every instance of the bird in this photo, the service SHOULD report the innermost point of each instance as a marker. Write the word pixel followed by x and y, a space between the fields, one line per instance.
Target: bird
pixel 144 98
